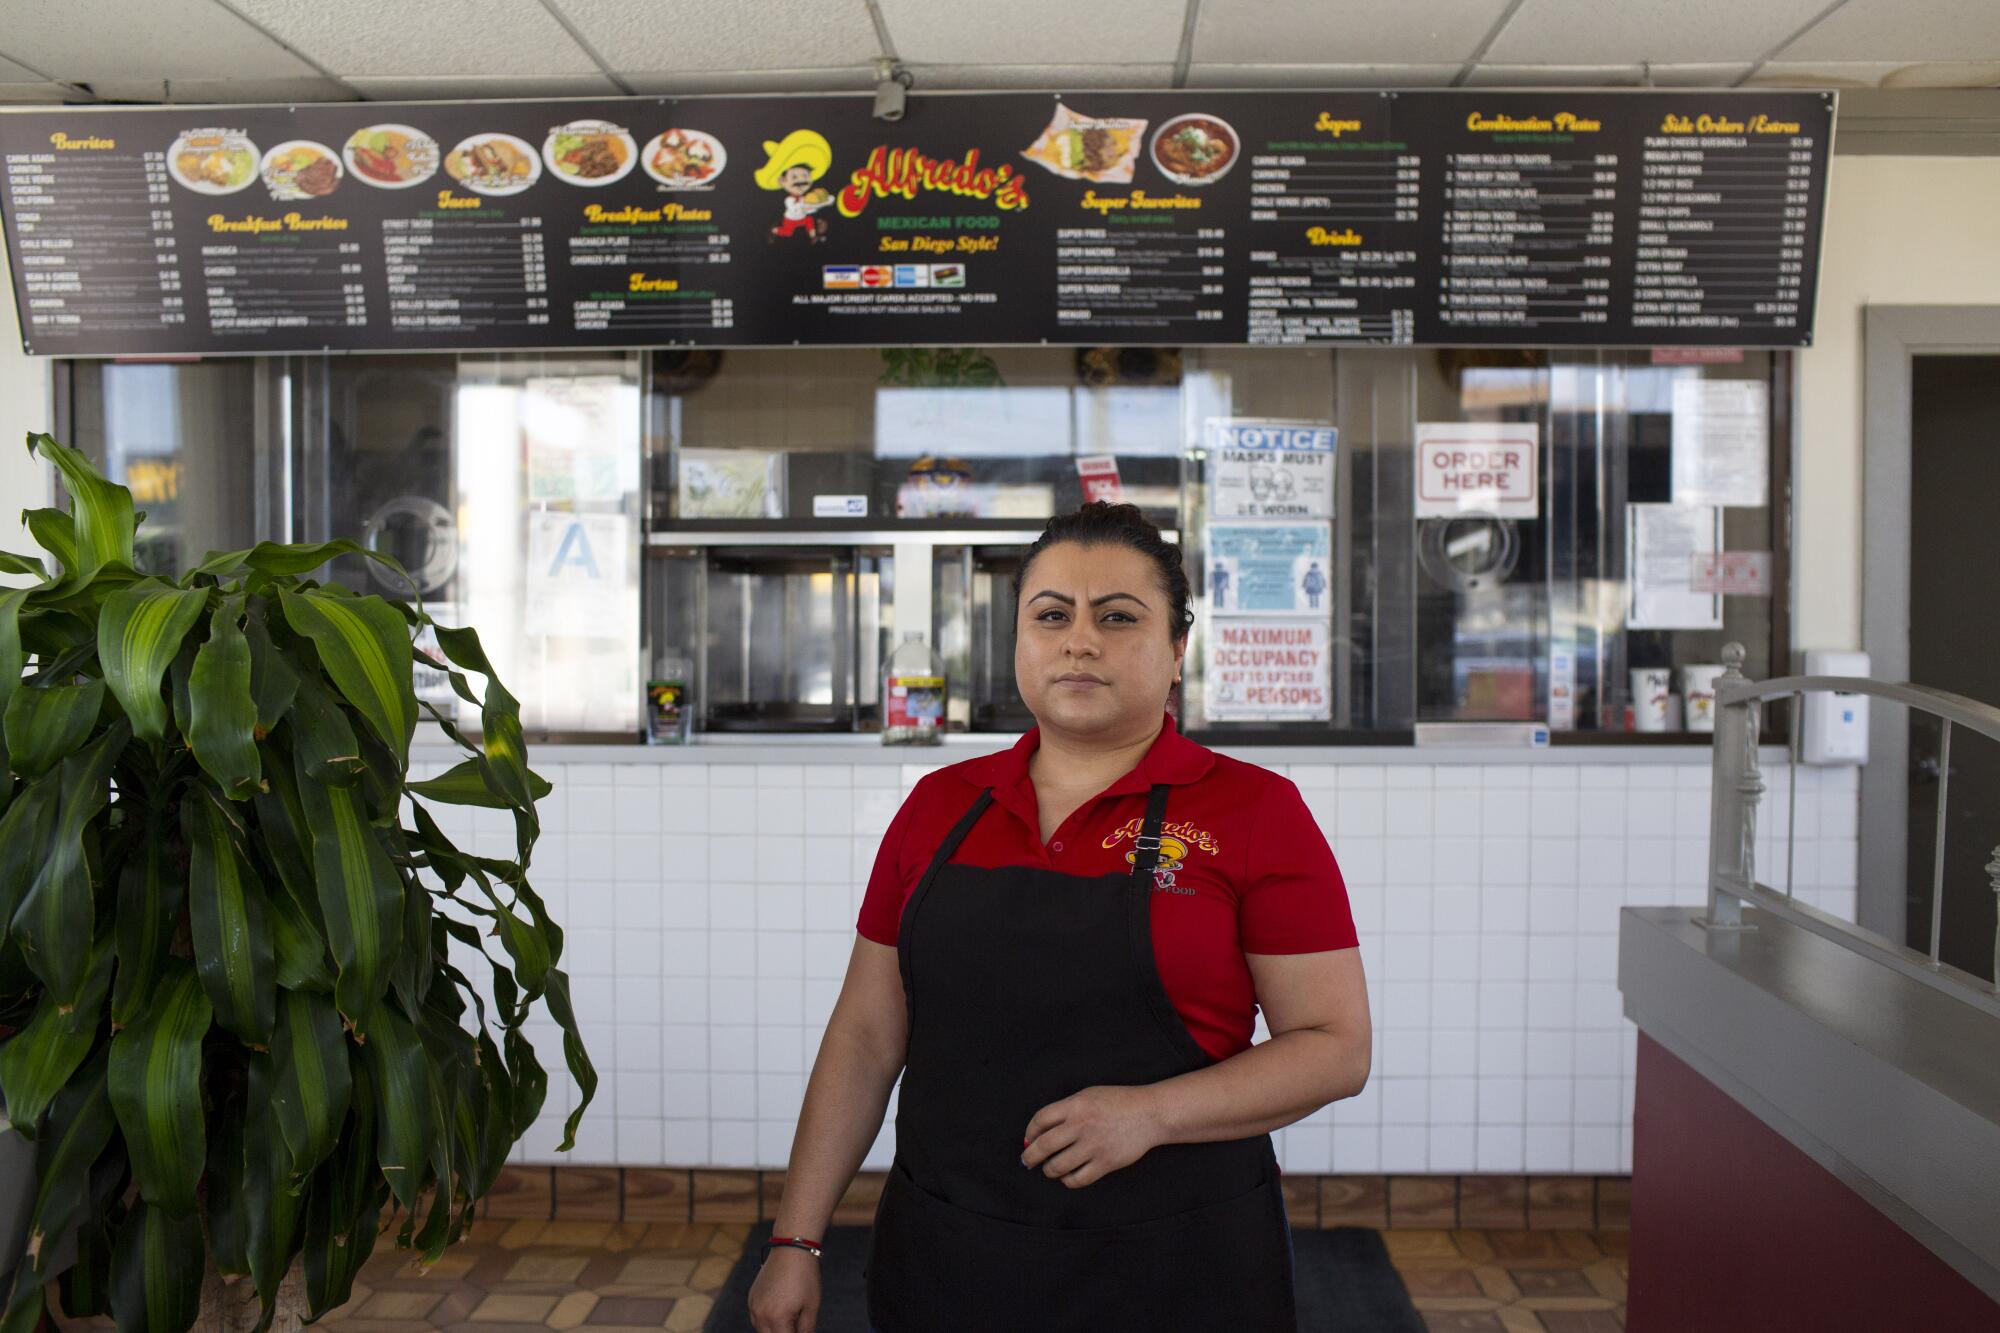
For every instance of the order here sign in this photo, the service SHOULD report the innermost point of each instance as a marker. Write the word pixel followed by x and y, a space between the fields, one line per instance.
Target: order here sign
pixel 1486 467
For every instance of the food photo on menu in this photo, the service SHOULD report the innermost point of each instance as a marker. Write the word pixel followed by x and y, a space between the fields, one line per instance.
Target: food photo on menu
pixel 1088 148
pixel 590 152
pixel 301 169
pixel 1194 149
pixel 391 157
pixel 213 161
pixel 495 164
pixel 684 159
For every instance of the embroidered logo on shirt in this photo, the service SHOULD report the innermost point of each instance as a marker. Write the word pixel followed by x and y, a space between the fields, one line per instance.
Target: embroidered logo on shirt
pixel 1172 852
pixel 1187 834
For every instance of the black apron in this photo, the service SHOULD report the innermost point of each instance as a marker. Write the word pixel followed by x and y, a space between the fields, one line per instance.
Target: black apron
pixel 1025 986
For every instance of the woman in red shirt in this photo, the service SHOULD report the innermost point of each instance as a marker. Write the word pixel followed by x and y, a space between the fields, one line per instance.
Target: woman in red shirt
pixel 1069 940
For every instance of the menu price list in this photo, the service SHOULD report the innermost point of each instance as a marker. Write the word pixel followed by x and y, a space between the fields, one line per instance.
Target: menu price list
pixel 1528 238
pixel 1156 277
pixel 1722 232
pixel 465 274
pixel 264 284
pixel 1356 279
pixel 94 242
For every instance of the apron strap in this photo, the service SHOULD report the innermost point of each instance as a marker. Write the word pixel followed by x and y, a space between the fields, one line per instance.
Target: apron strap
pixel 1147 844
pixel 956 836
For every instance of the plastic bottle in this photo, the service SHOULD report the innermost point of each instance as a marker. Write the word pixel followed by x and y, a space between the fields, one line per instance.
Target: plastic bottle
pixel 669 707
pixel 912 695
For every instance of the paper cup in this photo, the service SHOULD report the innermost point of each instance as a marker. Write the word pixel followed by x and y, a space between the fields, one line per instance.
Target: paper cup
pixel 1651 688
pixel 1698 688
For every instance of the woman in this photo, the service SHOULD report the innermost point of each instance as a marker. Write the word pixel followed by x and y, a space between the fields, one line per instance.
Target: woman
pixel 1067 941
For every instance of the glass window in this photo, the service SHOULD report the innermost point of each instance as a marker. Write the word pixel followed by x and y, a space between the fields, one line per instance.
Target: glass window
pixel 199 444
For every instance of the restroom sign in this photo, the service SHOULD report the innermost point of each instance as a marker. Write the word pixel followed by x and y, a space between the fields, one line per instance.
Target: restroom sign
pixel 1486 467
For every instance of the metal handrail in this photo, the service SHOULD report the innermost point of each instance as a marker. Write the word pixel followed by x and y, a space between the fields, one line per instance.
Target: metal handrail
pixel 1739 785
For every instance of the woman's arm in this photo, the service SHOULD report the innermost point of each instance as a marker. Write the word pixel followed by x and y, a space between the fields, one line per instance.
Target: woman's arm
pixel 859 1060
pixel 1316 1007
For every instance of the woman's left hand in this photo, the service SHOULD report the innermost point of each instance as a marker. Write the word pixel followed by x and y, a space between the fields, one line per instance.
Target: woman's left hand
pixel 1087 1136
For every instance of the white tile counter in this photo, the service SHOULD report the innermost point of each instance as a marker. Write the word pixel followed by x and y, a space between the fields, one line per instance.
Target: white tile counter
pixel 709 894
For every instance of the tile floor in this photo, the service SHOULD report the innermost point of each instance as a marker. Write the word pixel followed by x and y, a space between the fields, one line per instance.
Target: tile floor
pixel 523 1276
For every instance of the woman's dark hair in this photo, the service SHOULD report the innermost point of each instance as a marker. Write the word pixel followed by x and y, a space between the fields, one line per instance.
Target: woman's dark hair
pixel 1102 524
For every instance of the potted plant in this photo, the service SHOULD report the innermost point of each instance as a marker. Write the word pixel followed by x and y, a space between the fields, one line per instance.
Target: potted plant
pixel 229 1019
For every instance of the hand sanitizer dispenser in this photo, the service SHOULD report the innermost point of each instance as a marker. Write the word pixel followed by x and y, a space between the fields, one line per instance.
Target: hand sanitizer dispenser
pixel 1836 724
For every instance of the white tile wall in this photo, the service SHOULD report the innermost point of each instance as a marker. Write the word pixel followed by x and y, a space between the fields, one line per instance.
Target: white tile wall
pixel 709 913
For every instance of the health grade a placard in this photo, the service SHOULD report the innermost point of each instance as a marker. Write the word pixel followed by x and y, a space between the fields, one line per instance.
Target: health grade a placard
pixel 1261 468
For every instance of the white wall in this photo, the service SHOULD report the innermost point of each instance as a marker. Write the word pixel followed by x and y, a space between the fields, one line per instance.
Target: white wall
pixel 1899 231
pixel 24 406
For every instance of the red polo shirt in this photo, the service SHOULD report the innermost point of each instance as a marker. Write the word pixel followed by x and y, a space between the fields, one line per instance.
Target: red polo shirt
pixel 1251 870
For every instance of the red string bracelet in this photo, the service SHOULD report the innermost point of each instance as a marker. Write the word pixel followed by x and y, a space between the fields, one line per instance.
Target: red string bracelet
pixel 799 1242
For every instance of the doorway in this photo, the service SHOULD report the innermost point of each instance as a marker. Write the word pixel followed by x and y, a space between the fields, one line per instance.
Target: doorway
pixel 1931 616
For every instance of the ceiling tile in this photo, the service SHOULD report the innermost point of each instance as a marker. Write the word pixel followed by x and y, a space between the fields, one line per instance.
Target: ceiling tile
pixel 231 92
pixel 88 40
pixel 379 38
pixel 1574 32
pixel 1696 76
pixel 1879 74
pixel 437 88
pixel 1410 32
pixel 13 73
pixel 1905 31
pixel 1556 76
pixel 1019 32
pixel 31 94
pixel 705 36
pixel 1308 78
pixel 691 83
pixel 1041 78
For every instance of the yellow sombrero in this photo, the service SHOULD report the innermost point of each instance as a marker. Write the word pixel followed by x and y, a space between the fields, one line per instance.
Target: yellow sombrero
pixel 800 148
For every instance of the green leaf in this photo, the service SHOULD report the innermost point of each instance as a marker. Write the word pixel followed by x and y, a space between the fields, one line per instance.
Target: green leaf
pixel 138 632
pixel 300 948
pixel 22 564
pixel 273 682
pixel 38 1060
pixel 286 844
pixel 343 1204
pixel 80 1126
pixel 360 895
pixel 415 966
pixel 406 1107
pixel 468 783
pixel 499 718
pixel 54 922
pixel 310 1081
pixel 55 532
pixel 25 831
pixel 322 737
pixel 102 510
pixel 276 1210
pixel 280 560
pixel 47 722
pixel 86 1284
pixel 12 658
pixel 578 1059
pixel 150 891
pixel 222 1195
pixel 232 939
pixel 364 644
pixel 223 724
pixel 156 1090
pixel 156 1272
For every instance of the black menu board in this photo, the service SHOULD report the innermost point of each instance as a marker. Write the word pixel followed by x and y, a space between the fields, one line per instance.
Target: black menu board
pixel 1528 218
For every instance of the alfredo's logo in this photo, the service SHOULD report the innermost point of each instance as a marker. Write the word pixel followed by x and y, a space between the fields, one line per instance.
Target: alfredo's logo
pixel 1178 840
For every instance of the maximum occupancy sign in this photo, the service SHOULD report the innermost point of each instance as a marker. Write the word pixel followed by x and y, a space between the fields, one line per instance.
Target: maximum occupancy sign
pixel 1453 217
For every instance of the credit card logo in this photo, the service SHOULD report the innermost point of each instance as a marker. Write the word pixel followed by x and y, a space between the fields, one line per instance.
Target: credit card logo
pixel 913 275
pixel 947 275
pixel 840 275
pixel 877 275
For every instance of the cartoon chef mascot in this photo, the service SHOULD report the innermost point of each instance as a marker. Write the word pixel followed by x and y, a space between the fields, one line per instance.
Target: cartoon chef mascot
pixel 795 162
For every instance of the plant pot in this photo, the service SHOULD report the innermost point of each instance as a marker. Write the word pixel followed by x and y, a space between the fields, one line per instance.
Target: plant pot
pixel 230 1305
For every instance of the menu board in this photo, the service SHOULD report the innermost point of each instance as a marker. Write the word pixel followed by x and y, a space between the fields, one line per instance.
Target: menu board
pixel 1448 217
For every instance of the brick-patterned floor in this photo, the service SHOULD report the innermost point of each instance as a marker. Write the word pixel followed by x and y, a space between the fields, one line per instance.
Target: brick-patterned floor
pixel 608 1249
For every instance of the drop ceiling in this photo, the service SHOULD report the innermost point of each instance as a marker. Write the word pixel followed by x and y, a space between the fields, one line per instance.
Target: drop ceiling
pixel 329 50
